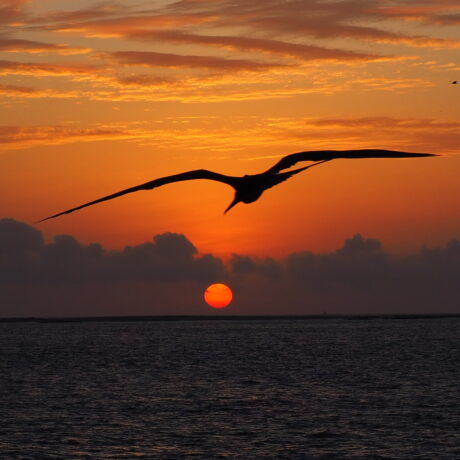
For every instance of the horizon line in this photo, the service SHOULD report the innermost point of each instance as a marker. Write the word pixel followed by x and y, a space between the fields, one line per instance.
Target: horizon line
pixel 214 317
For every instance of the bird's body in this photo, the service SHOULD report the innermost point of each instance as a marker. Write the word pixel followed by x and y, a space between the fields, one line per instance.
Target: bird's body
pixel 455 82
pixel 249 188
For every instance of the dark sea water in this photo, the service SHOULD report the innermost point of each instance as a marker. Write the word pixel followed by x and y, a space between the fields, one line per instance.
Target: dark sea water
pixel 311 388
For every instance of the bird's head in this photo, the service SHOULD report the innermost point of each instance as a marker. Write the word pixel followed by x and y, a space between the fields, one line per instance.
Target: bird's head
pixel 235 201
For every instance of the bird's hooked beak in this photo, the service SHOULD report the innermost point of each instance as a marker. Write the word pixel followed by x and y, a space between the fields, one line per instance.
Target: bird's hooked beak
pixel 235 201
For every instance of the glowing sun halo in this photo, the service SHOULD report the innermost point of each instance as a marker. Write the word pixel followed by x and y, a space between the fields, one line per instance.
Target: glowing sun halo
pixel 218 295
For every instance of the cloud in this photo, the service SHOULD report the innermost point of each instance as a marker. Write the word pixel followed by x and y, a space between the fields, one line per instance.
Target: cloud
pixel 359 277
pixel 170 257
pixel 246 44
pixel 18 238
pixel 444 12
pixel 245 266
pixel 19 243
pixel 284 82
pixel 11 10
pixel 169 60
pixel 293 18
pixel 287 24
pixel 416 134
pixel 65 277
pixel 26 92
pixel 27 136
pixel 236 83
pixel 446 19
pixel 7 90
pixel 15 45
pixel 44 69
pixel 115 25
pixel 320 20
pixel 230 50
pixel 359 264
pixel 103 11
pixel 144 80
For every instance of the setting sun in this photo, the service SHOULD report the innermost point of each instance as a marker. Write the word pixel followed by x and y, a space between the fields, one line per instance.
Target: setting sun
pixel 218 295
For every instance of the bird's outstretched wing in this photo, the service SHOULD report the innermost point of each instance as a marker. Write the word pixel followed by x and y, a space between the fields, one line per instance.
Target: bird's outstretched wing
pixel 190 175
pixel 323 155
pixel 275 179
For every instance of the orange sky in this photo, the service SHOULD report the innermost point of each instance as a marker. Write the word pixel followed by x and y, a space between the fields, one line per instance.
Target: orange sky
pixel 97 96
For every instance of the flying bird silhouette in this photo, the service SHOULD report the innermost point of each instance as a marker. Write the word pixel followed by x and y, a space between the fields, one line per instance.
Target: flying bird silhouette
pixel 455 82
pixel 249 188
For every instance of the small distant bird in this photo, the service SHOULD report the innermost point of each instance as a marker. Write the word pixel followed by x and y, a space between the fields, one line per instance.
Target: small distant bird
pixel 456 82
pixel 249 188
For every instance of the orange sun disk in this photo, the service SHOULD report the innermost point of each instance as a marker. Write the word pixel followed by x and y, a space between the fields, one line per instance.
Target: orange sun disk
pixel 218 295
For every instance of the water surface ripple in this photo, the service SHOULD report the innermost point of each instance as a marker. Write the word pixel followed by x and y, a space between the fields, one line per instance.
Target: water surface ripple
pixel 315 389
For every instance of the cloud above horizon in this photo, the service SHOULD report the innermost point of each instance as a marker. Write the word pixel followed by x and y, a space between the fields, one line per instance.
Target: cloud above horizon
pixel 313 18
pixel 183 132
pixel 360 277
pixel 101 94
pixel 200 41
pixel 12 45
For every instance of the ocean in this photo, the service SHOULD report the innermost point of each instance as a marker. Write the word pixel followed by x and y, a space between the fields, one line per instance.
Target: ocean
pixel 301 388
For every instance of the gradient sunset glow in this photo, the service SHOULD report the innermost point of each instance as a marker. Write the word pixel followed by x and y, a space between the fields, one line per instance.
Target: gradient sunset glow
pixel 98 96
pixel 102 95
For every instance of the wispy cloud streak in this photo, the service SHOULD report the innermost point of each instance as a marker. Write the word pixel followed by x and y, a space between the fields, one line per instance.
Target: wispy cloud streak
pixel 200 133
pixel 154 59
pixel 15 45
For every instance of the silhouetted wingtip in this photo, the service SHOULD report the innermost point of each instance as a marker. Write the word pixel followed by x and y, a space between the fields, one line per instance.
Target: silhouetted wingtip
pixel 417 155
pixel 42 220
pixel 48 218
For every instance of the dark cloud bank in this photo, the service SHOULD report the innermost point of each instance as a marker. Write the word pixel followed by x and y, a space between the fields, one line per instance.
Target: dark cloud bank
pixel 168 276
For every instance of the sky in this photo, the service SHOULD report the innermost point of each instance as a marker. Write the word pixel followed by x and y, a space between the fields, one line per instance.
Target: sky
pixel 97 96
